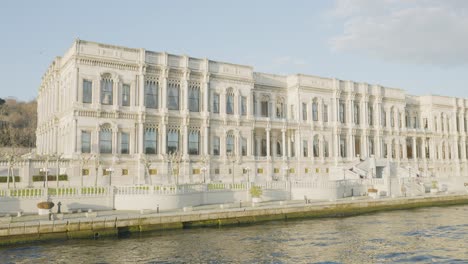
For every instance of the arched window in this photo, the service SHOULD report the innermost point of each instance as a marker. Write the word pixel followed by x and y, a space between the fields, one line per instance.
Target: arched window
pixel 370 117
pixel 326 152
pixel 172 141
pixel 278 148
pixel 356 110
pixel 280 108
pixel 194 98
pixel 194 142
pixel 106 90
pixel 151 94
pixel 173 96
pixel 151 140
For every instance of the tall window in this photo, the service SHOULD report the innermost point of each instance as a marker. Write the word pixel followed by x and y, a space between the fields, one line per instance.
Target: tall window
pixel 356 113
pixel 125 95
pixel 150 140
pixel 229 104
pixel 244 146
pixel 305 148
pixel 172 141
pixel 194 99
pixel 408 120
pixel 370 114
pixel 384 118
pixel 314 111
pixel 85 142
pixel 194 143
pixel 342 147
pixel 216 103
pixel 316 147
pixel 229 144
pixel 254 101
pixel 342 112
pixel 264 106
pixel 325 113
pixel 278 148
pixel 124 143
pixel 371 146
pixel 392 118
pixel 216 146
pixel 87 92
pixel 304 111
pixel 326 152
pixel 173 97
pixel 106 91
pixel 280 108
pixel 243 109
pixel 151 94
pixel 105 141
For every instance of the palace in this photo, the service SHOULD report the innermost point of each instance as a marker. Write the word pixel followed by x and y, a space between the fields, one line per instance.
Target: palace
pixel 144 117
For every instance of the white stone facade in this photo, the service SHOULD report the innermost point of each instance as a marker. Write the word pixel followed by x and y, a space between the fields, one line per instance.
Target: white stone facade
pixel 103 106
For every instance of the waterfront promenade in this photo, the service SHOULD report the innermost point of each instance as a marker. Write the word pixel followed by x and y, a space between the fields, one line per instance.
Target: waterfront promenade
pixel 29 228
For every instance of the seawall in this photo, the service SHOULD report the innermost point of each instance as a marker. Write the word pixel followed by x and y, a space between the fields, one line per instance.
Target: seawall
pixel 89 228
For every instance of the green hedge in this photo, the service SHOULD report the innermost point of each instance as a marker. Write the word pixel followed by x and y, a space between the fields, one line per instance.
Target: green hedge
pixel 40 178
pixel 4 178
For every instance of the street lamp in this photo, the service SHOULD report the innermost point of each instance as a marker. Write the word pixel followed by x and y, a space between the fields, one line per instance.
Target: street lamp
pixel 110 170
pixel 232 158
pixel 203 169
pixel 46 182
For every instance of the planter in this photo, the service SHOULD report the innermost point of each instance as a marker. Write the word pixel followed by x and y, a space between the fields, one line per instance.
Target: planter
pixel 43 211
pixel 373 193
pixel 434 190
pixel 256 199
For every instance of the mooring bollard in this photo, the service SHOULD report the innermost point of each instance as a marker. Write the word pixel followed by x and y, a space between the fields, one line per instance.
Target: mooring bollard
pixel 240 204
pixel 305 199
pixel 59 205
pixel 157 209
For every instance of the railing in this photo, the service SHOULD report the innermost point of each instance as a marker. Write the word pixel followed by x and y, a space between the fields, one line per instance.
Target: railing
pixel 55 192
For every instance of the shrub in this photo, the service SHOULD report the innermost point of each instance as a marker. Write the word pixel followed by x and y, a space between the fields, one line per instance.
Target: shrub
pixel 4 179
pixel 39 178
pixel 256 191
pixel 45 205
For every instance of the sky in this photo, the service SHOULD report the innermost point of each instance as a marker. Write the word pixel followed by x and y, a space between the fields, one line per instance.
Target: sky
pixel 420 46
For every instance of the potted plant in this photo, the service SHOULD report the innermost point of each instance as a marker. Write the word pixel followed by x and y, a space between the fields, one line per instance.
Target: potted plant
pixel 44 207
pixel 372 192
pixel 434 188
pixel 256 192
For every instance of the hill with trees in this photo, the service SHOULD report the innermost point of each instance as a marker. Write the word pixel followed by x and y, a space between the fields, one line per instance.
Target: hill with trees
pixel 18 121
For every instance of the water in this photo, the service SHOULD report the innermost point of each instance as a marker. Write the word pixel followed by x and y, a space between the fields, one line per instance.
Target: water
pixel 425 235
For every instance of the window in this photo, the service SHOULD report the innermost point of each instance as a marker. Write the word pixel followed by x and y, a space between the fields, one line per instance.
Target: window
pixel 244 146
pixel 264 106
pixel 106 91
pixel 125 95
pixel 173 97
pixel 304 111
pixel 325 113
pixel 243 109
pixel 407 119
pixel 150 141
pixel 278 148
pixel 194 146
pixel 280 109
pixel 314 111
pixel 216 103
pixel 85 142
pixel 216 146
pixel 229 104
pixel 384 118
pixel 325 149
pixel 342 147
pixel 342 112
pixel 392 118
pixel 194 99
pixel 371 146
pixel 356 113
pixel 229 144
pixel 87 92
pixel 305 148
pixel 151 94
pixel 105 141
pixel 172 141
pixel 124 143
pixel 254 101
pixel 370 116
pixel 316 147
pixel 264 147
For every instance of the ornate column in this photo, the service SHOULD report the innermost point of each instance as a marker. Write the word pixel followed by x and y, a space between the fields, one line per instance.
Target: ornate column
pixel 164 77
pixel 185 90
pixel 267 130
pixel 141 86
pixel 414 149
pixel 206 92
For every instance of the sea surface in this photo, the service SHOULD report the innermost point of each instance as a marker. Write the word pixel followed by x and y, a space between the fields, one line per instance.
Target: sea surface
pixel 428 235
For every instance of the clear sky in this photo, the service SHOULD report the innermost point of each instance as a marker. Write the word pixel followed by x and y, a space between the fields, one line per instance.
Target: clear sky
pixel 417 45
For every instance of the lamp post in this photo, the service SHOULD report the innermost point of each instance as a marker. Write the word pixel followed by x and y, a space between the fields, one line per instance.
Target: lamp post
pixel 203 169
pixel 110 170
pixel 45 170
pixel 232 159
pixel 286 173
